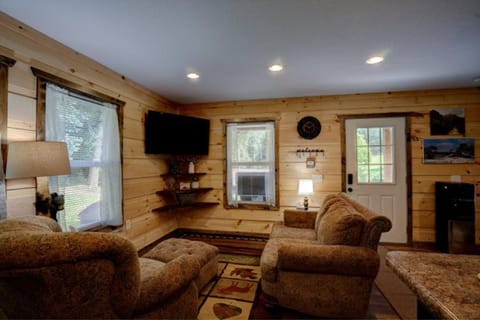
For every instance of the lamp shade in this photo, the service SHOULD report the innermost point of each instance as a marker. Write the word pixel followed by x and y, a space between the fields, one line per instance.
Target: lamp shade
pixel 305 187
pixel 29 159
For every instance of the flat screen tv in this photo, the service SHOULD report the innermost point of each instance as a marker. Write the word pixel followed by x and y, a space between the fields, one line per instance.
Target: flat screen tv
pixel 167 133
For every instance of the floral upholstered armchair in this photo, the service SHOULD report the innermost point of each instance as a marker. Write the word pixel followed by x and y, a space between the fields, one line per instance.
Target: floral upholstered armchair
pixel 324 267
pixel 46 273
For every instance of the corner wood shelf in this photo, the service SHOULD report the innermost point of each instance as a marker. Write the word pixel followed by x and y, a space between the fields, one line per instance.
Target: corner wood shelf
pixel 176 194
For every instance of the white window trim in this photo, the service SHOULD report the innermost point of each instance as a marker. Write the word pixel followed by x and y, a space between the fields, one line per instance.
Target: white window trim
pixel 272 200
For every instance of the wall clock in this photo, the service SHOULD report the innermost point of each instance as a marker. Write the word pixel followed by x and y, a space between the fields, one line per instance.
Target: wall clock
pixel 309 127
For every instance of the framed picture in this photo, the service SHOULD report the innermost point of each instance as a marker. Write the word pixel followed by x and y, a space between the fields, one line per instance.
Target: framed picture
pixel 447 122
pixel 449 150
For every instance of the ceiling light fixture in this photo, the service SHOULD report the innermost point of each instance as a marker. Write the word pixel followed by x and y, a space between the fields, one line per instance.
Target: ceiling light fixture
pixel 275 67
pixel 193 75
pixel 374 60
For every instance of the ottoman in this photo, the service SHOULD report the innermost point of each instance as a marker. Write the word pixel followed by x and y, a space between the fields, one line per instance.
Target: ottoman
pixel 206 254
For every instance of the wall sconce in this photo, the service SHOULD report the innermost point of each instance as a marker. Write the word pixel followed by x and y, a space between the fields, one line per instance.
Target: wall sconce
pixel 305 188
pixel 30 159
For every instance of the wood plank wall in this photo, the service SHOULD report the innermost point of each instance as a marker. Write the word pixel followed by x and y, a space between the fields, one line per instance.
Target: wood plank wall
pixel 328 109
pixel 141 173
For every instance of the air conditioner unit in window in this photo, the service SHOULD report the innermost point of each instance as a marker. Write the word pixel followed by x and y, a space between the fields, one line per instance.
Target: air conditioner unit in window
pixel 251 186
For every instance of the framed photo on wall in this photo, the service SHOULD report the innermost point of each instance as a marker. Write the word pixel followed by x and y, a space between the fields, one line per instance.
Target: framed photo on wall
pixel 447 122
pixel 460 150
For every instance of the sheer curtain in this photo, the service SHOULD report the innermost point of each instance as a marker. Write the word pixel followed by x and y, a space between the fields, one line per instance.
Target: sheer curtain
pixel 93 192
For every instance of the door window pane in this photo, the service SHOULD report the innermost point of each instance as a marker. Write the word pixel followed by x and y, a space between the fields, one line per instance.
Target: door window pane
pixel 375 155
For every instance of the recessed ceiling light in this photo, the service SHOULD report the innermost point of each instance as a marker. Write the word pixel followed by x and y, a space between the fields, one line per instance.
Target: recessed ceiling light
pixel 275 67
pixel 193 75
pixel 374 60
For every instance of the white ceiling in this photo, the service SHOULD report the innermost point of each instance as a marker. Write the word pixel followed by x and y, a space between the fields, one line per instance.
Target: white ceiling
pixel 323 44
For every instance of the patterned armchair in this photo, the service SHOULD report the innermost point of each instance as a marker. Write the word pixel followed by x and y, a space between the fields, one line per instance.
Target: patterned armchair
pixel 324 267
pixel 45 273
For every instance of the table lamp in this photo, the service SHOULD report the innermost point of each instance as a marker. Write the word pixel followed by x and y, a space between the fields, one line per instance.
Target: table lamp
pixel 305 188
pixel 30 159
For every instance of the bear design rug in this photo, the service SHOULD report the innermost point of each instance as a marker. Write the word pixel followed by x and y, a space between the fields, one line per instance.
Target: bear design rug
pixel 231 294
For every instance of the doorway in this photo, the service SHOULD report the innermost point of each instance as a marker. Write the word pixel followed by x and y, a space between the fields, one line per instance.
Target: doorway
pixel 376 170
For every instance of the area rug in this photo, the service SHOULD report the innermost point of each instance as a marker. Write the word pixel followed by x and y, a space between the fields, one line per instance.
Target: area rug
pixel 231 294
pixel 239 259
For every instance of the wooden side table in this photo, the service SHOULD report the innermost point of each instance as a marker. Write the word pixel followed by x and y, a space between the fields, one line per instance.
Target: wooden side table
pixel 300 218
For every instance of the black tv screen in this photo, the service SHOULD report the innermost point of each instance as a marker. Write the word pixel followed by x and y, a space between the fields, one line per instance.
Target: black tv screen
pixel 167 133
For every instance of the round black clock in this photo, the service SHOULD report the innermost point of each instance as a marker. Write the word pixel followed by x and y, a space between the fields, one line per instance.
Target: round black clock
pixel 309 127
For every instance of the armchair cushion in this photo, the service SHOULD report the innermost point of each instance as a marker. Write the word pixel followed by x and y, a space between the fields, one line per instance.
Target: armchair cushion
pixel 340 224
pixel 332 259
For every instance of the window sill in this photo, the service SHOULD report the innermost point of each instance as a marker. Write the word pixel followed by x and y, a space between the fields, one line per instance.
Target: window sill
pixel 253 207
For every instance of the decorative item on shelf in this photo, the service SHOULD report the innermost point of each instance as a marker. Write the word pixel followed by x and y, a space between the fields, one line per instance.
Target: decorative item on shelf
pixel 173 166
pixel 195 183
pixel 191 167
pixel 305 188
pixel 182 164
pixel 184 185
pixel 30 159
pixel 309 127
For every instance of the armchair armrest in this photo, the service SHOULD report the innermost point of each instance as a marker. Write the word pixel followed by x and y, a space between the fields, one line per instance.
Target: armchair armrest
pixel 161 281
pixel 331 259
pixel 47 252
pixel 299 219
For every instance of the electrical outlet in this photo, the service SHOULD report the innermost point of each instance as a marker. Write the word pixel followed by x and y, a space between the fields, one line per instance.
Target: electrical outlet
pixel 455 178
pixel 128 224
pixel 318 178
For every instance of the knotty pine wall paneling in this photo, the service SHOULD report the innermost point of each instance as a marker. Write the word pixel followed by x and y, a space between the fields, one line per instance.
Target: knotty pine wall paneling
pixel 328 109
pixel 141 172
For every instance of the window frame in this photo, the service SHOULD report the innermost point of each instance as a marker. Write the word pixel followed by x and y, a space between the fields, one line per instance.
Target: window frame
pixel 42 79
pixel 251 206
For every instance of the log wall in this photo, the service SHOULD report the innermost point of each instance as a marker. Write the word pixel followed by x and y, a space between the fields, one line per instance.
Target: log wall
pixel 329 110
pixel 141 173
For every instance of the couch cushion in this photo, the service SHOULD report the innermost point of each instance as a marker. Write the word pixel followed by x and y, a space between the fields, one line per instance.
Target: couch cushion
pixel 341 224
pixel 327 202
pixel 281 231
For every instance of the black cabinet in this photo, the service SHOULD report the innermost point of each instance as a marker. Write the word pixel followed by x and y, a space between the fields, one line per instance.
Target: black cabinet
pixel 453 202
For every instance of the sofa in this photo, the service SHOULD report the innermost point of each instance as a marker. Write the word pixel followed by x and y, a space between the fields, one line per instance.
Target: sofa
pixel 324 266
pixel 46 273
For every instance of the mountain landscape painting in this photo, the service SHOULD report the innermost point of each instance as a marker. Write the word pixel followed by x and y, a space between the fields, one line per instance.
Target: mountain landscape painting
pixel 449 150
pixel 447 122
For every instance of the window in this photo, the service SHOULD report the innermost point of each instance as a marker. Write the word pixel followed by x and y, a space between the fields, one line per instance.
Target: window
pixel 93 191
pixel 375 155
pixel 251 172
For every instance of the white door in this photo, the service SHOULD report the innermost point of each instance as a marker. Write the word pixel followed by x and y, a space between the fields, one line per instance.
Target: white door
pixel 377 170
